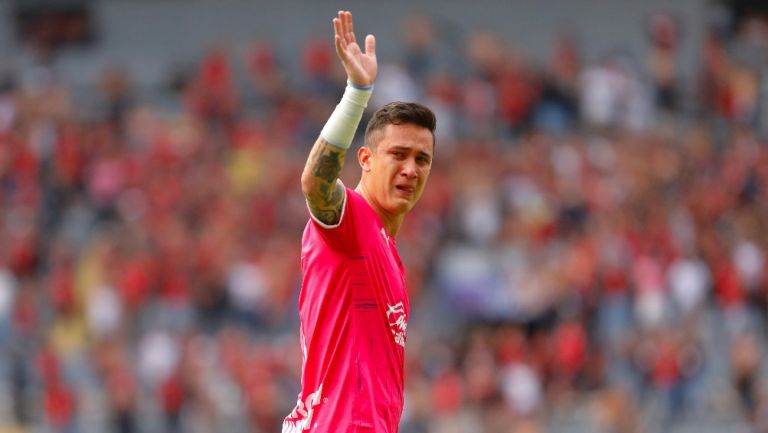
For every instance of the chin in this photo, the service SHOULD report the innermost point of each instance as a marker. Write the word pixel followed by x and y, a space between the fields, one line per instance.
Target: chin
pixel 401 206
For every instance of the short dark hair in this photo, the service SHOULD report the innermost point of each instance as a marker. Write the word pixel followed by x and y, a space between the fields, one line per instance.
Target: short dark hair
pixel 400 113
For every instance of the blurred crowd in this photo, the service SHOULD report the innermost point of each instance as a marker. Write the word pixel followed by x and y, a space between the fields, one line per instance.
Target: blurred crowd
pixel 589 254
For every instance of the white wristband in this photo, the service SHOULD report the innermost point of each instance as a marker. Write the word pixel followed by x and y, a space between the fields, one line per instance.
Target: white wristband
pixel 340 128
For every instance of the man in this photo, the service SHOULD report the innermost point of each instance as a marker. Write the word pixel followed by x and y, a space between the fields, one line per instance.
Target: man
pixel 353 303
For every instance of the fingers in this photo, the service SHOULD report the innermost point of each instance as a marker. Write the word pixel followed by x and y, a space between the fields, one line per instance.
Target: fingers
pixel 336 26
pixel 343 27
pixel 370 45
pixel 349 26
pixel 339 48
pixel 344 35
pixel 338 32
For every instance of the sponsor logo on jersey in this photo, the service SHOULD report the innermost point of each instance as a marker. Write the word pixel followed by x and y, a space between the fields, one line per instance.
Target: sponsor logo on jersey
pixel 300 419
pixel 397 322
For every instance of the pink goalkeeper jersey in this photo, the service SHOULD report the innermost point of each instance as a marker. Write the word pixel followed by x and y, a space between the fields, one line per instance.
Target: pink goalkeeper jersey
pixel 354 312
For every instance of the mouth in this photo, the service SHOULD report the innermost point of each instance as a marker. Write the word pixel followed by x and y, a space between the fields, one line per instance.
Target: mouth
pixel 406 189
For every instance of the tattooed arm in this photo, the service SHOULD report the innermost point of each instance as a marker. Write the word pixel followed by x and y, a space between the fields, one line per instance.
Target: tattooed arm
pixel 319 181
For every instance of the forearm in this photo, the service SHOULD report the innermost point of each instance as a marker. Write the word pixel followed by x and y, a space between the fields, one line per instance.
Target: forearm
pixel 324 195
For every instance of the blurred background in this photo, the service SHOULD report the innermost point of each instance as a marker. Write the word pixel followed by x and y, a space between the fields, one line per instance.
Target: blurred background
pixel 589 254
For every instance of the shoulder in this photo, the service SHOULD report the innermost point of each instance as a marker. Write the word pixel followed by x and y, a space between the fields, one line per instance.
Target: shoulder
pixel 354 198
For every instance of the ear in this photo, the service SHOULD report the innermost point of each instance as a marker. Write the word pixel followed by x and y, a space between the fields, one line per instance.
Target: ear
pixel 364 155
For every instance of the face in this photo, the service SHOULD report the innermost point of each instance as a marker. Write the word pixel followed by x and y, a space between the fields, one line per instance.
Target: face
pixel 395 170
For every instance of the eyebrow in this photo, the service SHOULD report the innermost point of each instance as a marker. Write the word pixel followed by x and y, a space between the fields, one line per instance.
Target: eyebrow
pixel 409 148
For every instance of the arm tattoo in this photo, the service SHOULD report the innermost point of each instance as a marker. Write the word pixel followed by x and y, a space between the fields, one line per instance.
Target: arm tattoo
pixel 328 216
pixel 329 165
pixel 336 196
pixel 326 197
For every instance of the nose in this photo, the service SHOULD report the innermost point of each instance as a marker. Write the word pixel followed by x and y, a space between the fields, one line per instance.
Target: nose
pixel 408 168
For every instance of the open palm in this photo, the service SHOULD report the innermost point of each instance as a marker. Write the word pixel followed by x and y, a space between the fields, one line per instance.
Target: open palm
pixel 361 67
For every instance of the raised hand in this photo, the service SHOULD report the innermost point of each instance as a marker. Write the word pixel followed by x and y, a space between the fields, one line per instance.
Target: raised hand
pixel 361 67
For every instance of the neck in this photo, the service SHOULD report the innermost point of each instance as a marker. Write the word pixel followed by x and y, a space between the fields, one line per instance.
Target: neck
pixel 391 222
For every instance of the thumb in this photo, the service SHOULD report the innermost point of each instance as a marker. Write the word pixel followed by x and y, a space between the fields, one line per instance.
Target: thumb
pixel 370 45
